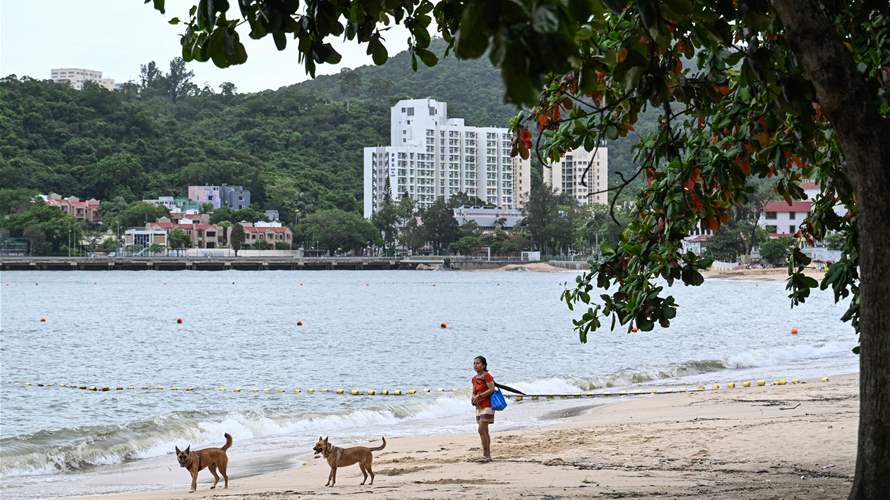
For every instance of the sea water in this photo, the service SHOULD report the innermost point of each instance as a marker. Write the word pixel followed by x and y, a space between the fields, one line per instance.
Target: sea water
pixel 360 330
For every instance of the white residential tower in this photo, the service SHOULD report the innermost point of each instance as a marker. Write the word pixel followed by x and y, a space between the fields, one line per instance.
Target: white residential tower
pixel 565 175
pixel 432 155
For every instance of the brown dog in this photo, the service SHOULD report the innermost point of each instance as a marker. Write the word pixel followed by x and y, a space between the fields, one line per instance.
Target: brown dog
pixel 211 458
pixel 344 457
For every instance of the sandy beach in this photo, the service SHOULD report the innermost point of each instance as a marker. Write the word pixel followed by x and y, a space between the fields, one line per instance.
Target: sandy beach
pixel 769 274
pixel 789 441
pixel 755 274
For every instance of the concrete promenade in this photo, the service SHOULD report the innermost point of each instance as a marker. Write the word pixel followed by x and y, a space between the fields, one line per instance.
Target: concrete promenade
pixel 10 263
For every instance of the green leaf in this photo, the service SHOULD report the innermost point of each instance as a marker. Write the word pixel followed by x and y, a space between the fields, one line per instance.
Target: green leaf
pixel 644 324
pixel 377 50
pixel 692 277
pixel 175 20
pixel 427 56
pixel 472 37
pixel 280 40
pixel 158 5
pixel 584 33
pixel 809 282
pixel 216 48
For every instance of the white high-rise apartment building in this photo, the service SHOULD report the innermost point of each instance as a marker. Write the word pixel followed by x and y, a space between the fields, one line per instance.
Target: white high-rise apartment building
pixel 76 77
pixel 565 175
pixel 431 155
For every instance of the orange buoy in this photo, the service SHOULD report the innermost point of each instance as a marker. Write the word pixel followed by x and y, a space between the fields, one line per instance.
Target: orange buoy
pixel 793 330
pixel 178 321
pixel 443 325
pixel 299 322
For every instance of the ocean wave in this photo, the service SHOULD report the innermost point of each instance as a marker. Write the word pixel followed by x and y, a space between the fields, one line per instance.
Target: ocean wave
pixel 79 448
pixel 623 378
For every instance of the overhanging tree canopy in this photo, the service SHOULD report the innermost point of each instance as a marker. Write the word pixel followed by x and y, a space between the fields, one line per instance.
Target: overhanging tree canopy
pixel 782 90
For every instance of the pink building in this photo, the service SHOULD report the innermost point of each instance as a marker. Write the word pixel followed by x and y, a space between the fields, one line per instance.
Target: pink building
pixel 234 197
pixel 205 194
pixel 86 210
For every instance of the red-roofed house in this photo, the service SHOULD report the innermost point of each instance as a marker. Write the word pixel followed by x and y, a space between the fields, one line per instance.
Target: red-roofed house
pixel 86 210
pixel 201 235
pixel 271 232
pixel 781 219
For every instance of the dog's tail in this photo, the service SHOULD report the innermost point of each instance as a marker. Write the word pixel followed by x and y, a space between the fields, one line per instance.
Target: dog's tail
pixel 228 442
pixel 379 447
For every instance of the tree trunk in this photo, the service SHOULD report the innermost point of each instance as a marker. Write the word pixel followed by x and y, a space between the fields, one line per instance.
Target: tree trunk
pixel 864 136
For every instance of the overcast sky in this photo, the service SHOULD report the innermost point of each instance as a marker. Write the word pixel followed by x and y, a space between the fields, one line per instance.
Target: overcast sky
pixel 116 36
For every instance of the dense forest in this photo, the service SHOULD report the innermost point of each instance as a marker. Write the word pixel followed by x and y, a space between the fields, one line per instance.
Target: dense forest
pixel 298 148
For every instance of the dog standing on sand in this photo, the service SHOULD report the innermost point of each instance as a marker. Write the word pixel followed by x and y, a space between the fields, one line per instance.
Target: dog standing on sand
pixel 344 457
pixel 211 458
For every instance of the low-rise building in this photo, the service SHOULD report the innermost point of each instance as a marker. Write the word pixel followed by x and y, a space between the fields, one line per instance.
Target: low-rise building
pixel 176 204
pixel 163 201
pixel 77 77
pixel 143 237
pixel 85 210
pixel 271 232
pixel 697 239
pixel 782 219
pixel 189 216
pixel 234 197
pixel 201 235
pixel 489 218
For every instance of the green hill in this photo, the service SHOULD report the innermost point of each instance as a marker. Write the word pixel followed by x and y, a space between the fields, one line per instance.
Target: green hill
pixel 298 149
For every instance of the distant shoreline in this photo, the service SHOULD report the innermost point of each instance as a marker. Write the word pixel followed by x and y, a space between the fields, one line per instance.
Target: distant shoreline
pixel 769 274
pixel 430 263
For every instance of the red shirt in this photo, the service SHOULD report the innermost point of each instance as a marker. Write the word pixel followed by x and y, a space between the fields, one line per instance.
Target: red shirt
pixel 480 385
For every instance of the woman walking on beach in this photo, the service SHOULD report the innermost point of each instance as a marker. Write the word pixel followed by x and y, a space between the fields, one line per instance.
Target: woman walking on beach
pixel 483 387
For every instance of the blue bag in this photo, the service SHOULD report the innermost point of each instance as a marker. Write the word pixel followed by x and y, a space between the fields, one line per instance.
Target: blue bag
pixel 498 402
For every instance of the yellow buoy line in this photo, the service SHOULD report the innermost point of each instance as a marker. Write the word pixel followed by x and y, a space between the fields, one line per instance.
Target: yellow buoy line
pixel 411 392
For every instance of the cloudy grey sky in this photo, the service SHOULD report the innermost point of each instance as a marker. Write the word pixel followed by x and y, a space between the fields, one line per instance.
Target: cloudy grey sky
pixel 116 36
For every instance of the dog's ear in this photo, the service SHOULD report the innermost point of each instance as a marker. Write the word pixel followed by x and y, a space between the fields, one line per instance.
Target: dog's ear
pixel 177 450
pixel 325 439
pixel 188 450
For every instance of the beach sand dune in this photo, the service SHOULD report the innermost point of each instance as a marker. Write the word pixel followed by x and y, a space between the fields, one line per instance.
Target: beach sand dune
pixel 791 441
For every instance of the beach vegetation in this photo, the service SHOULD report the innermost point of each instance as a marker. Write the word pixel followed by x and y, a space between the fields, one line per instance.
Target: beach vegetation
pixel 775 251
pixel 236 239
pixel 177 239
pixel 49 230
pixel 337 231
